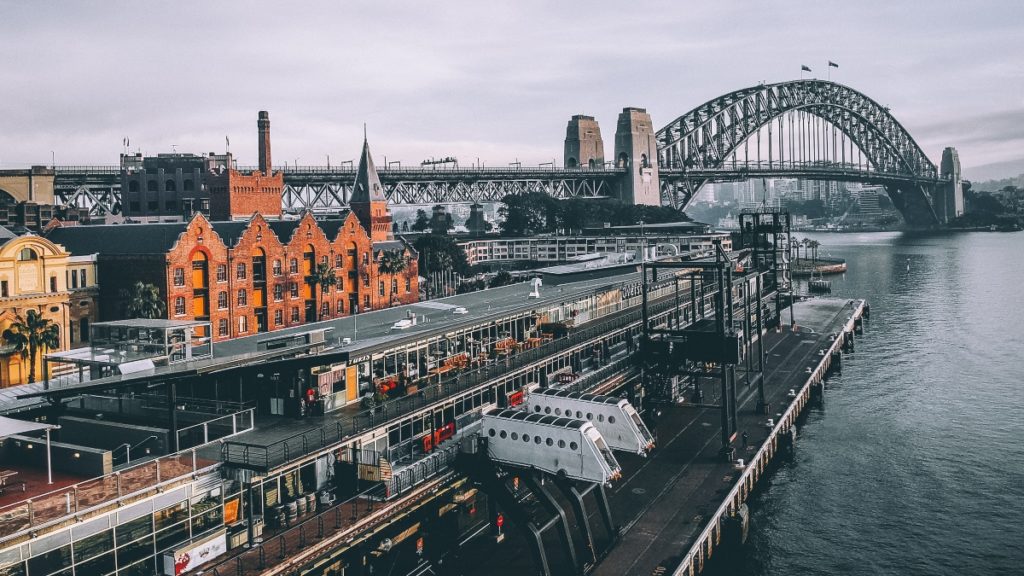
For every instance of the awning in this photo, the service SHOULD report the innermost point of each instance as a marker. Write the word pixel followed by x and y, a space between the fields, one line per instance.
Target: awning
pixel 13 426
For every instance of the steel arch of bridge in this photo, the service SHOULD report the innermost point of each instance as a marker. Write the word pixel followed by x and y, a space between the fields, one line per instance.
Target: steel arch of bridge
pixel 694 148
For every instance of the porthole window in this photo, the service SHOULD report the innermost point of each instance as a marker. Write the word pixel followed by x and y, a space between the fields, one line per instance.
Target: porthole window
pixel 590 416
pixel 561 443
pixel 573 446
pixel 515 436
pixel 549 442
pixel 547 409
pixel 526 437
pixel 600 417
pixel 491 432
pixel 611 419
pixel 503 434
pixel 579 415
pixel 558 411
pixel 536 439
pixel 536 408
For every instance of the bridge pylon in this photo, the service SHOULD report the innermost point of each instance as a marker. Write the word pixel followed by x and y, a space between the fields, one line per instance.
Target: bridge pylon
pixel 950 193
pixel 636 150
pixel 584 147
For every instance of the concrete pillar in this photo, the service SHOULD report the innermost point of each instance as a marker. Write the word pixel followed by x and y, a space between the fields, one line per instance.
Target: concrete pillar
pixel 637 151
pixel 584 147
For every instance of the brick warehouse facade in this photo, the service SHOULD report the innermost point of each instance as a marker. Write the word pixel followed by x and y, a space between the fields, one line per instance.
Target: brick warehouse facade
pixel 257 274
pixel 245 277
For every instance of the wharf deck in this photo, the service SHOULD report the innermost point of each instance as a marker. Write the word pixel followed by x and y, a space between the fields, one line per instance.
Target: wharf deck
pixel 665 501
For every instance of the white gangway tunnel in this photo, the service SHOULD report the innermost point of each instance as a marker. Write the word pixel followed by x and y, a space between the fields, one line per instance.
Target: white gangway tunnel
pixel 557 445
pixel 619 423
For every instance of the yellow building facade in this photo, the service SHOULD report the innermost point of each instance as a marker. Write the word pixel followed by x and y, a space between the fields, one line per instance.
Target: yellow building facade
pixel 36 274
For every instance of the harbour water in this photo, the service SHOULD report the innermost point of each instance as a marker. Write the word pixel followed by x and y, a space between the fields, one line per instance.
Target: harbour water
pixel 915 465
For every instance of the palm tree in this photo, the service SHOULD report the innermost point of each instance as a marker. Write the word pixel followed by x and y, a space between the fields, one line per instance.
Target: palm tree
pixel 814 244
pixel 324 276
pixel 30 336
pixel 392 262
pixel 144 301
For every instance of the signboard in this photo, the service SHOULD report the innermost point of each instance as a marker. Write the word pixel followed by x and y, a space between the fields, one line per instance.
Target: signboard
pixel 231 511
pixel 190 556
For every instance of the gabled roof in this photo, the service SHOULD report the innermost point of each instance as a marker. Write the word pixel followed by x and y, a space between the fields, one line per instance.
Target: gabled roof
pixel 230 231
pixel 154 238
pixel 367 186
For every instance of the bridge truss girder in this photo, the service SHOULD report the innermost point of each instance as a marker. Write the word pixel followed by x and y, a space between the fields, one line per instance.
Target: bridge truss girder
pixel 331 195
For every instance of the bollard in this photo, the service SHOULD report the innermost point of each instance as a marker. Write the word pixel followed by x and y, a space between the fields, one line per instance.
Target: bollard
pixel 263 557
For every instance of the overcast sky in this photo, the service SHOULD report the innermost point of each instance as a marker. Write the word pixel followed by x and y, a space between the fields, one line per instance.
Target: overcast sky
pixel 488 79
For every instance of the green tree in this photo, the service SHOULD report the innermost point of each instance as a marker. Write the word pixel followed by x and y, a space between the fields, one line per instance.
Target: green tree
pixel 422 221
pixel 31 336
pixel 528 214
pixel 144 301
pixel 392 262
pixel 814 245
pixel 503 278
pixel 438 253
pixel 325 277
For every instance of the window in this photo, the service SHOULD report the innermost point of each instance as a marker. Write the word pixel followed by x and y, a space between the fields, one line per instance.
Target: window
pixel 408 284
pixel 179 306
pixel 222 300
pixel 380 287
pixel 366 302
pixel 240 271
pixel 81 278
pixel 53 283
pixel 4 290
pixel 337 261
pixel 515 436
pixel 222 272
pixel 366 257
pixel 503 434
pixel 394 286
pixel 573 446
pixel 295 315
pixel 366 280
pixel 293 266
pixel 278 292
pixel 74 279
pixel 277 267
pixel 179 276
pixel 243 324
pixel 27 254
pixel 222 327
pixel 242 297
pixel 278 317
pixel 293 289
pixel 325 309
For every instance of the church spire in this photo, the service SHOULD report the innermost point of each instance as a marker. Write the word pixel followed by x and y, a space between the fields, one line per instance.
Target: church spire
pixel 367 186
pixel 368 201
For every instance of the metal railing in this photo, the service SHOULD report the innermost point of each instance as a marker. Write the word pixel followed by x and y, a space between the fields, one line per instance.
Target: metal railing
pixel 266 456
pixel 212 430
pixel 76 502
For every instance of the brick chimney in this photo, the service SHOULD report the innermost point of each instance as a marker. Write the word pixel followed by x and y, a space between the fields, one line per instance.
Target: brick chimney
pixel 264 128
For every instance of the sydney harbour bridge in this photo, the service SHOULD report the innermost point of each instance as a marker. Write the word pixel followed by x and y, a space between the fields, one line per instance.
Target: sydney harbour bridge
pixel 808 129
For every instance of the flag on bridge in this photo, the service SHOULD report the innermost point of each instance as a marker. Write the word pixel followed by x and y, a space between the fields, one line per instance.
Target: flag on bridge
pixel 805 68
pixel 832 64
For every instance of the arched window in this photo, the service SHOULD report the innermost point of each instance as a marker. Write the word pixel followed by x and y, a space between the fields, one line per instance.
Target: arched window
pixel 571 163
pixel 643 161
pixel 623 160
pixel 133 186
pixel 222 300
pixel 27 254
pixel 592 163
pixel 170 186
pixel 151 185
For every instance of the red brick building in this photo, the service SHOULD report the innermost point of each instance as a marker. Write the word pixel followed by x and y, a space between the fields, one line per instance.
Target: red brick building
pixel 237 196
pixel 257 274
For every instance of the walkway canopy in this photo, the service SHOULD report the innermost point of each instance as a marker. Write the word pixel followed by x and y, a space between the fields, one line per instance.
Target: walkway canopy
pixel 14 427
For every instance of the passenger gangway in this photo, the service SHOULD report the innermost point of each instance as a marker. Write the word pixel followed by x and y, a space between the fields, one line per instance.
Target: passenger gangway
pixel 615 418
pixel 561 446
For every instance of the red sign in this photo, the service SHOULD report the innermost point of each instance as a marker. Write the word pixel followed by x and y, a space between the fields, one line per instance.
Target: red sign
pixel 516 398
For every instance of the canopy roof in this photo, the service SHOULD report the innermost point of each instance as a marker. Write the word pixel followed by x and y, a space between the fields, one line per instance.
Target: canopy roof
pixel 13 426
